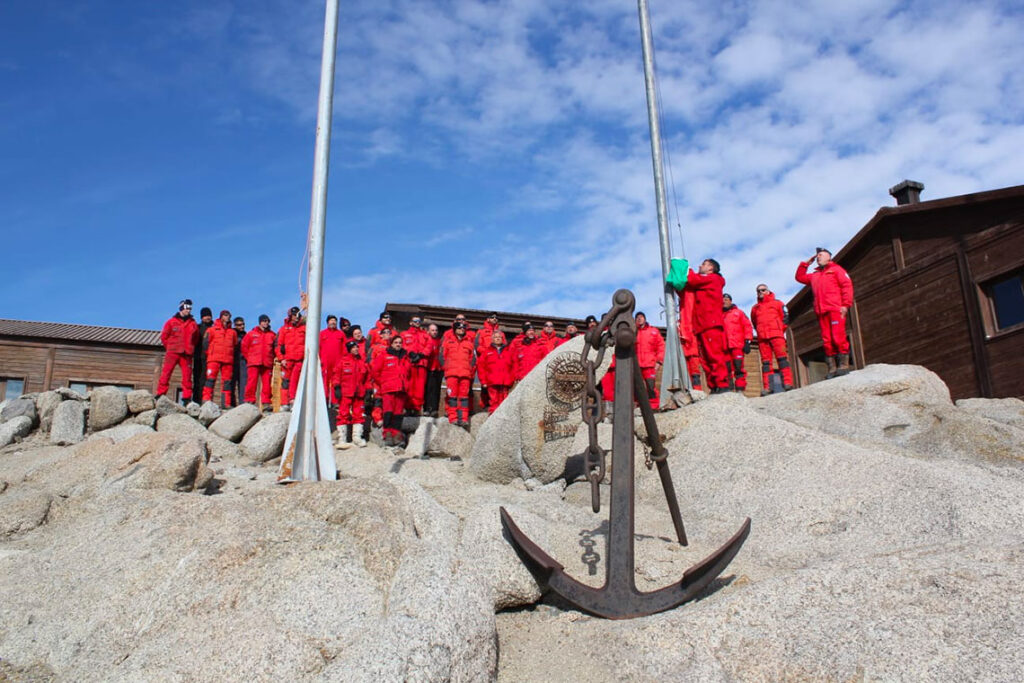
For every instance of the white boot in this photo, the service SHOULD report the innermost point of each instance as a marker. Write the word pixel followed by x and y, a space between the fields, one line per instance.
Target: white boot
pixel 359 439
pixel 345 438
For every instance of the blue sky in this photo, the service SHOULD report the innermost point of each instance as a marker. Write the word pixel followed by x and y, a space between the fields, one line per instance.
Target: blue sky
pixel 485 154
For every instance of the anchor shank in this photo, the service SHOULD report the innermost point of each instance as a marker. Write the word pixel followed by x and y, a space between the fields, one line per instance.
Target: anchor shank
pixel 621 576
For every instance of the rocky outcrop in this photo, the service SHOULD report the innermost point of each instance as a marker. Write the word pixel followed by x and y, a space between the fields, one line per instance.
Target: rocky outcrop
pixel 46 403
pixel 208 413
pixel 439 437
pixel 530 435
pixel 107 407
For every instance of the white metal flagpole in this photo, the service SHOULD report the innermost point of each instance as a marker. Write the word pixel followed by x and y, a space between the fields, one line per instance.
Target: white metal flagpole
pixel 309 454
pixel 673 379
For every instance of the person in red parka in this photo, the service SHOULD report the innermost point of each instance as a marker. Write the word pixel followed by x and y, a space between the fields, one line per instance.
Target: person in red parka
pixel 258 350
pixel 291 351
pixel 571 331
pixel 383 322
pixel 650 354
pixel 527 352
pixel 495 369
pixel 332 347
pixel 416 343
pixel 688 339
pixel 432 390
pixel 769 318
pixel 179 337
pixel 378 348
pixel 708 324
pixel 548 338
pixel 738 336
pixel 482 339
pixel 350 381
pixel 833 296
pixel 391 372
pixel 458 359
pixel 219 345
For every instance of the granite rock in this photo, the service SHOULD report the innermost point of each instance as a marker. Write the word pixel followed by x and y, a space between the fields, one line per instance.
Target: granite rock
pixel 107 407
pixel 68 423
pixel 139 401
pixel 233 424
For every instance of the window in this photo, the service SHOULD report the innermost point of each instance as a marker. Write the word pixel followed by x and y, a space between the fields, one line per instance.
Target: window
pixel 11 388
pixel 1006 300
pixel 84 388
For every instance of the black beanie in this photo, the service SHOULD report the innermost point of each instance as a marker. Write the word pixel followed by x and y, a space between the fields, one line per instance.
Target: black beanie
pixel 205 311
pixel 265 317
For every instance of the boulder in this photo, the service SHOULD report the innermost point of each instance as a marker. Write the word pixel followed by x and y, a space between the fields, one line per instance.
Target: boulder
pixel 233 424
pixel 208 412
pixel 107 407
pixel 46 403
pixel 16 428
pixel 165 406
pixel 193 409
pixel 139 401
pixel 484 548
pixel 67 394
pixel 122 432
pixel 898 407
pixel 68 423
pixel 439 437
pixel 265 440
pixel 22 509
pixel 20 407
pixel 164 461
pixel 147 417
pixel 218 447
pixel 476 422
pixel 1009 411
pixel 530 434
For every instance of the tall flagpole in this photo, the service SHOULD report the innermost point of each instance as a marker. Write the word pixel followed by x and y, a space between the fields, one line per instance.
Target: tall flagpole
pixel 673 379
pixel 309 430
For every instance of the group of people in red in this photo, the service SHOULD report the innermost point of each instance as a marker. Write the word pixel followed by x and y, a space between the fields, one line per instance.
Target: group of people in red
pixel 716 334
pixel 381 377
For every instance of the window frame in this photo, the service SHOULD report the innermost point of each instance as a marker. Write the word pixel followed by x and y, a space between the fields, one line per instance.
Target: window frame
pixel 3 387
pixel 990 318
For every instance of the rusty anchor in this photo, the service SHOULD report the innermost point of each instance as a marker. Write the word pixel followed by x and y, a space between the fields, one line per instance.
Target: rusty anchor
pixel 619 597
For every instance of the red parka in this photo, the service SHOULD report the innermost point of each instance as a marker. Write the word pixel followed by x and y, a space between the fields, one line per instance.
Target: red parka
pixel 767 316
pixel 180 334
pixel 332 346
pixel 458 357
pixel 258 347
pixel 433 353
pixel 291 341
pixel 375 332
pixel 737 327
pixel 707 300
pixel 650 346
pixel 352 374
pixel 391 371
pixel 415 340
pixel 831 285
pixel 220 343
pixel 484 335
pixel 562 340
pixel 495 366
pixel 548 340
pixel 526 354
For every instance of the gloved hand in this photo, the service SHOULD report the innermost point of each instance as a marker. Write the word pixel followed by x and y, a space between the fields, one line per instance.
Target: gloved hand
pixel 337 393
pixel 746 347
pixel 415 356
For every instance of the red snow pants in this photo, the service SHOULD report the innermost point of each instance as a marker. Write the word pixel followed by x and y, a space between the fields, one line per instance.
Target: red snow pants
pixel 833 333
pixel 170 360
pixel 258 373
pixel 214 368
pixel 776 346
pixel 713 357
pixel 458 398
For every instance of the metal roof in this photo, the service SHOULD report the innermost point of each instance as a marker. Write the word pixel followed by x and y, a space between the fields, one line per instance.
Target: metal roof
pixel 79 333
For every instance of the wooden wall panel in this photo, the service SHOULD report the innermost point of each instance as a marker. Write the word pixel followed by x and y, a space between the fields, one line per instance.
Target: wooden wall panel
pixel 1003 252
pixel 921 320
pixel 24 362
pixel 875 264
pixel 104 366
pixel 1006 361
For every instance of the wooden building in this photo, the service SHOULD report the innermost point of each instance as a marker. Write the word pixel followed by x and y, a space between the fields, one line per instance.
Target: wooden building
pixel 38 356
pixel 937 283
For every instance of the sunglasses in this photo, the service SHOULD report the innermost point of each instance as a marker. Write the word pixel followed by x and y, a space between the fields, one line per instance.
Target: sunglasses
pixel 762 290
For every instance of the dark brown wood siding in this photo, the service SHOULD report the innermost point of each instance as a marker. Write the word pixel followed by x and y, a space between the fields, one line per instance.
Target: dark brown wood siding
pixel 24 362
